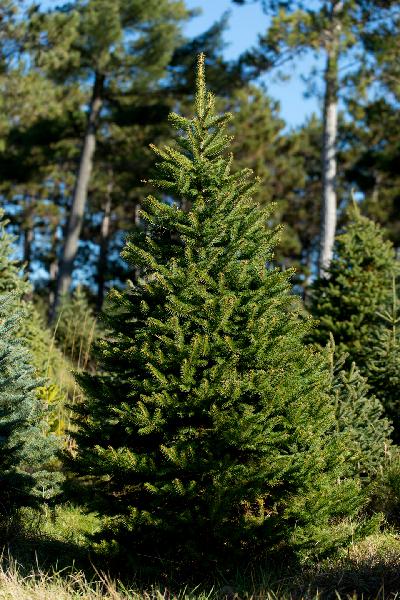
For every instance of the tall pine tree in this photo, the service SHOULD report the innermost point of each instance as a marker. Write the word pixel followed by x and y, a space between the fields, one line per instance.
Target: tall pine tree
pixel 207 433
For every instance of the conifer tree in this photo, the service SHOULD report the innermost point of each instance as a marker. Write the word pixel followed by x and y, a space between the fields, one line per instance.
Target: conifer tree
pixel 207 434
pixel 361 416
pixel 124 58
pixel 334 29
pixel 359 286
pixel 45 357
pixel 26 451
pixel 383 363
pixel 37 361
pixel 10 271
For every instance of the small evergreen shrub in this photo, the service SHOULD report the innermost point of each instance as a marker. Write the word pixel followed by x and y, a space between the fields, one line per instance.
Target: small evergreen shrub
pixel 27 451
pixel 207 433
pixel 358 287
pixel 29 442
pixel 385 493
pixel 50 366
pixel 361 417
pixel 383 362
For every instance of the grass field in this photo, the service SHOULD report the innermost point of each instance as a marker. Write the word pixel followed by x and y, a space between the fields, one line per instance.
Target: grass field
pixel 52 562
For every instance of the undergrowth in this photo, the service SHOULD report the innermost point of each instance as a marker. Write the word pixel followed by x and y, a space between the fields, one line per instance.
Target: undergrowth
pixel 53 561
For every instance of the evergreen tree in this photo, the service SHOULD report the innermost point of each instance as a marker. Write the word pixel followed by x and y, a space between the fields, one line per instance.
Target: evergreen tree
pixel 26 451
pixel 359 286
pixel 333 29
pixel 55 382
pixel 383 363
pixel 373 142
pixel 361 416
pixel 127 56
pixel 10 270
pixel 207 434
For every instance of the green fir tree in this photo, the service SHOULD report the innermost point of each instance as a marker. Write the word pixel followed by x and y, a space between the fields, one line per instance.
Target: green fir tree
pixel 11 279
pixel 383 363
pixel 357 287
pixel 207 432
pixel 50 366
pixel 27 451
pixel 361 417
pixel 38 360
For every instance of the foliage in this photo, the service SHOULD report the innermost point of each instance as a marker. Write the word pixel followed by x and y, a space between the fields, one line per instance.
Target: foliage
pixel 360 415
pixel 358 287
pixel 261 144
pixel 27 451
pixel 10 270
pixel 207 432
pixel 30 467
pixel 50 367
pixel 386 490
pixel 372 145
pixel 383 362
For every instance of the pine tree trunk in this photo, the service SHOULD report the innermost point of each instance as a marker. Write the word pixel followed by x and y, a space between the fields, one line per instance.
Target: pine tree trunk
pixel 79 197
pixel 53 271
pixel 104 243
pixel 309 262
pixel 330 127
pixel 28 234
pixel 28 240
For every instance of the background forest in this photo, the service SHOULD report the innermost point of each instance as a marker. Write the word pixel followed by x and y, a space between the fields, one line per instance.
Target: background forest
pixel 199 314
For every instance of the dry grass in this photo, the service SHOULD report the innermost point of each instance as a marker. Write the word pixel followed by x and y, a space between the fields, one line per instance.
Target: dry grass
pixel 369 570
pixel 40 586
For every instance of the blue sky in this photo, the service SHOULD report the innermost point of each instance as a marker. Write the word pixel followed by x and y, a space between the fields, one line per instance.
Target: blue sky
pixel 245 23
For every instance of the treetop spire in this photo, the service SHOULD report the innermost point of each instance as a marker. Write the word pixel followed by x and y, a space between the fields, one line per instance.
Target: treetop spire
pixel 201 89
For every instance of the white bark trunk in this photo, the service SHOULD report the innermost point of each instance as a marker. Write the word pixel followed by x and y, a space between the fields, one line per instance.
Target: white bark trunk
pixel 329 161
pixel 329 199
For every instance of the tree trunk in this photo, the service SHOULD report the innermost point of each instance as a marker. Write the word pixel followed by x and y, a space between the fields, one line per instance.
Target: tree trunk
pixel 104 242
pixel 53 271
pixel 28 240
pixel 330 127
pixel 79 197
pixel 28 234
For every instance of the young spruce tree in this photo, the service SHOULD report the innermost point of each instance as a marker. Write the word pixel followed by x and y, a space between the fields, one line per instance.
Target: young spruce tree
pixel 207 434
pixel 358 287
pixel 28 466
pixel 383 362
pixel 361 416
pixel 25 451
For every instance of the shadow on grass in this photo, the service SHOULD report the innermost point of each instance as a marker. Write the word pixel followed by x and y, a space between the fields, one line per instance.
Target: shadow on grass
pixel 370 570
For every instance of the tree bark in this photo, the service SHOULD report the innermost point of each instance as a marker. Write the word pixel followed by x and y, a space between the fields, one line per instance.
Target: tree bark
pixel 53 271
pixel 28 240
pixel 330 128
pixel 79 197
pixel 104 243
pixel 28 233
